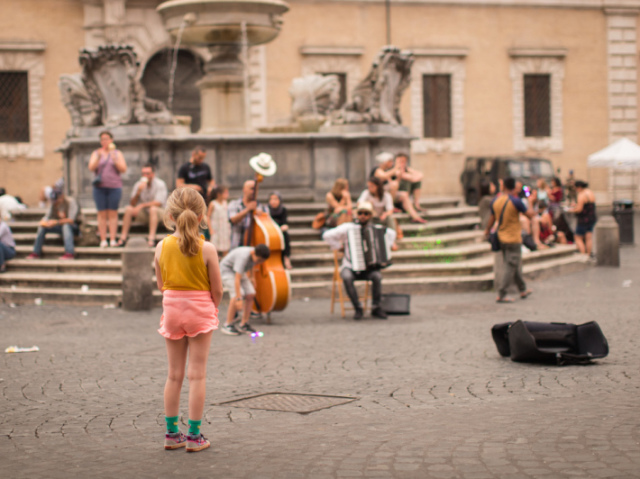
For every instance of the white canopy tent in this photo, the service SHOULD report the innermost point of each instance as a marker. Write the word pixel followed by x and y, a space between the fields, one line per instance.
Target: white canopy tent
pixel 621 155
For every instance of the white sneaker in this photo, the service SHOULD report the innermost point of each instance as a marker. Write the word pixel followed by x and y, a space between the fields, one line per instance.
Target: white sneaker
pixel 104 244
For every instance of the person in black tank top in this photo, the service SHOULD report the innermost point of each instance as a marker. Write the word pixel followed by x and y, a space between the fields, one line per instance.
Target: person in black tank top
pixel 585 211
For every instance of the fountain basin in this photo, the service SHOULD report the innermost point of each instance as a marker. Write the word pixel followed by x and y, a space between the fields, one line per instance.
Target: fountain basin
pixel 220 21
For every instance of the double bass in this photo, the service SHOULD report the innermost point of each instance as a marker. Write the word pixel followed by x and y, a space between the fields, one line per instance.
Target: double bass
pixel 273 283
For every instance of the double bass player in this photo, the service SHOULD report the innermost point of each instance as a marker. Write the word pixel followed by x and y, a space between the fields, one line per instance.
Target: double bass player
pixel 253 229
pixel 338 239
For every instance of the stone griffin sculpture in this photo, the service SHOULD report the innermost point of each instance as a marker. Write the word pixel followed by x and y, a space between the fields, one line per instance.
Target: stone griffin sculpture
pixel 376 99
pixel 107 93
pixel 314 95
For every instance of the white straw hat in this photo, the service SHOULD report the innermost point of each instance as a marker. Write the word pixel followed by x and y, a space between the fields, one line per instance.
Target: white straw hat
pixel 263 164
pixel 383 157
pixel 365 206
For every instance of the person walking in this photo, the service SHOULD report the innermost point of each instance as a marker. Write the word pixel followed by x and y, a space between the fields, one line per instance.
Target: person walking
pixel 188 274
pixel 108 164
pixel 506 209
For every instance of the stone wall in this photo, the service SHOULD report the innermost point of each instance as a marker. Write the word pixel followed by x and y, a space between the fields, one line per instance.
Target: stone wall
pixel 308 164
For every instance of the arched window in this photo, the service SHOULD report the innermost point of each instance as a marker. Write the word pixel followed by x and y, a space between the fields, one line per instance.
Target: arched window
pixel 186 95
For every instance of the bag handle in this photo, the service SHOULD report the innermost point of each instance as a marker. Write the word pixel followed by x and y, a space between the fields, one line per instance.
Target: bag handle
pixel 99 171
pixel 502 213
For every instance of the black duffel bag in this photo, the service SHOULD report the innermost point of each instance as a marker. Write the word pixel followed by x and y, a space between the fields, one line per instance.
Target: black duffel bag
pixel 560 343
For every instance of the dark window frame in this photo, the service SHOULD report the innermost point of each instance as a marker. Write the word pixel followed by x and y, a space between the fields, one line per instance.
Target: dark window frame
pixel 15 117
pixel 537 105
pixel 437 114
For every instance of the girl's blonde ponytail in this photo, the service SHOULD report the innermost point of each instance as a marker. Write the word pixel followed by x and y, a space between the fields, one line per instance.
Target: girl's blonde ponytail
pixel 182 211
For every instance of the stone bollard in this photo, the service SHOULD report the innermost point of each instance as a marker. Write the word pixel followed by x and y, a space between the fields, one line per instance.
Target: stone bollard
pixel 137 285
pixel 607 241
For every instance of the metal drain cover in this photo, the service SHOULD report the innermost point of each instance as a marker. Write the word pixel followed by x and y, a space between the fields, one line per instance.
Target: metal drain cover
pixel 289 402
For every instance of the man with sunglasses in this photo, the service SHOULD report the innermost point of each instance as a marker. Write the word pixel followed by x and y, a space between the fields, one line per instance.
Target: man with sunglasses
pixel 338 239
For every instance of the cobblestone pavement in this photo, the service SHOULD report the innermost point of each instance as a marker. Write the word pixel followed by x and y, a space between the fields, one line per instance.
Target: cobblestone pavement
pixel 435 398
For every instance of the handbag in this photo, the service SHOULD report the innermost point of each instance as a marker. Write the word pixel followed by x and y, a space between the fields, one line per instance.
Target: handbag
pixel 98 178
pixel 493 236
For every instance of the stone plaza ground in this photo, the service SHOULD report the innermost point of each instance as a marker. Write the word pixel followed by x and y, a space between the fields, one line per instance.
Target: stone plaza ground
pixel 434 398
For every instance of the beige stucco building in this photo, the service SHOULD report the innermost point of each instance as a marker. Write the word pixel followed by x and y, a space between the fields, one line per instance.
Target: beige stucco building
pixel 585 52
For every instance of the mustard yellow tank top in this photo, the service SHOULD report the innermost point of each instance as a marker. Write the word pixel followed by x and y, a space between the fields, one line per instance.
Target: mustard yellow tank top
pixel 180 272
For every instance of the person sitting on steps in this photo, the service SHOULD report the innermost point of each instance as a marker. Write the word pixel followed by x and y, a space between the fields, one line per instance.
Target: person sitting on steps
pixel 390 174
pixel 62 219
pixel 148 199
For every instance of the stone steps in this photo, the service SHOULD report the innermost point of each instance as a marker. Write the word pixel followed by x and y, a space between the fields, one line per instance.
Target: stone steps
pixel 448 266
pixel 64 279
pixel 446 254
pixel 296 207
pixel 458 253
pixel 449 284
pixel 66 296
pixel 418 242
pixel 112 266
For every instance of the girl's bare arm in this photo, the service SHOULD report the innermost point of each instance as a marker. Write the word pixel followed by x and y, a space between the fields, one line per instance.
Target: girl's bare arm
pixel 210 256
pixel 156 264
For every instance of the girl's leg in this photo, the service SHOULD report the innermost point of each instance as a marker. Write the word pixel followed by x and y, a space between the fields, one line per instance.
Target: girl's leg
pixel 408 207
pixel 102 225
pixel 113 225
pixel 197 373
pixel 588 238
pixel 416 198
pixel 580 243
pixel 177 358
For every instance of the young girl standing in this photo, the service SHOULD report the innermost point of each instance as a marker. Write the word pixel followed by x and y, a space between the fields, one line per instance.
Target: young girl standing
pixel 188 275
pixel 218 220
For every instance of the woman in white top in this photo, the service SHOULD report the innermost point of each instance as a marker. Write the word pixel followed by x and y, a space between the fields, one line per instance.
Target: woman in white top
pixel 382 204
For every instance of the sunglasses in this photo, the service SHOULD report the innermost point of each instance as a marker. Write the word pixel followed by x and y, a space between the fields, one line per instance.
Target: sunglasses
pixel 366 213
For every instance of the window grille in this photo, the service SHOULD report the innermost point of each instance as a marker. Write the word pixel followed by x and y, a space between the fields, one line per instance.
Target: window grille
pixel 537 105
pixel 342 78
pixel 436 94
pixel 14 107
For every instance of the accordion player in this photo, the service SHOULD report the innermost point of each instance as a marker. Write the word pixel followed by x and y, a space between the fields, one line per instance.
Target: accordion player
pixel 366 252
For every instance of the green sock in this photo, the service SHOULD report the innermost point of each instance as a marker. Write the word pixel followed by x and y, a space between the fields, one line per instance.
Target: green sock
pixel 172 424
pixel 194 427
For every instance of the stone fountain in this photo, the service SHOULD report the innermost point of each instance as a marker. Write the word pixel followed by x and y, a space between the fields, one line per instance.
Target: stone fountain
pixel 227 28
pixel 107 93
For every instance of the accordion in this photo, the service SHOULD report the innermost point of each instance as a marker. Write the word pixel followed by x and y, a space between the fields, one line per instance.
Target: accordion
pixel 368 248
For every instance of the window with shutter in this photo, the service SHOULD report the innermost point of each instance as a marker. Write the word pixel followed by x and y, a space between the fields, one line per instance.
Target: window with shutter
pixel 436 94
pixel 537 105
pixel 14 107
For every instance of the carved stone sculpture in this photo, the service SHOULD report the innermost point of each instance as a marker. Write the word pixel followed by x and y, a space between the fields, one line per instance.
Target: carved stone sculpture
pixel 376 99
pixel 107 93
pixel 314 95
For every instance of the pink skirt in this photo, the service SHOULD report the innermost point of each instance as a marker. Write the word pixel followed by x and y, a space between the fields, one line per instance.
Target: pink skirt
pixel 187 313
